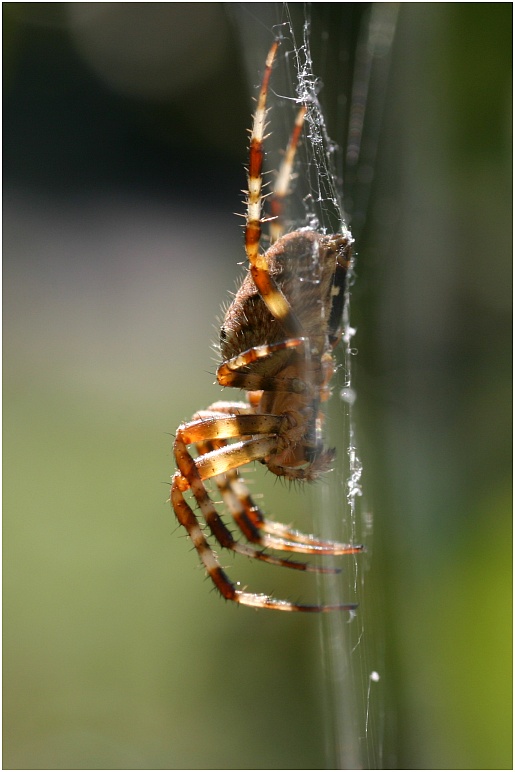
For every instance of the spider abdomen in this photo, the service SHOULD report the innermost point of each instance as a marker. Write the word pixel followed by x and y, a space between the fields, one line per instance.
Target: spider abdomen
pixel 304 265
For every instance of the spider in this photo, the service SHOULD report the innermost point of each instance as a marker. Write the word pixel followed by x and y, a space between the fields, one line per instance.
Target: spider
pixel 276 343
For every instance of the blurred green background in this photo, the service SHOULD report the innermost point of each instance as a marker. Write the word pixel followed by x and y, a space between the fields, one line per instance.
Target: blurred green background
pixel 124 139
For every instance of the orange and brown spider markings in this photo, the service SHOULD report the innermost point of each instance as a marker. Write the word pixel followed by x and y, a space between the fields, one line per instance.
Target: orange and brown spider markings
pixel 290 376
pixel 276 343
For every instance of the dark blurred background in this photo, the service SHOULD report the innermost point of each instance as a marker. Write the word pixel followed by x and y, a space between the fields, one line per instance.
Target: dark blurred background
pixel 124 140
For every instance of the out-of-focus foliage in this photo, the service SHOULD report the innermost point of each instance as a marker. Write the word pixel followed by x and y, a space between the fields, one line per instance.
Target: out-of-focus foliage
pixel 119 248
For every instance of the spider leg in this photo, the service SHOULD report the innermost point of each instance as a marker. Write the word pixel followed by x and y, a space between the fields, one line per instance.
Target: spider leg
pixel 269 533
pixel 225 458
pixel 211 432
pixel 250 519
pixel 282 182
pixel 230 372
pixel 267 286
pixel 224 484
pixel 218 426
pixel 189 471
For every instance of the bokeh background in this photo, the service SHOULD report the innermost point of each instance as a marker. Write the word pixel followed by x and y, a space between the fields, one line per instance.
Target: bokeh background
pixel 124 139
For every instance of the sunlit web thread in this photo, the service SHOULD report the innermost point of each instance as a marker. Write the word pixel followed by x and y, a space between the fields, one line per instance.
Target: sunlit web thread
pixel 355 738
pixel 324 210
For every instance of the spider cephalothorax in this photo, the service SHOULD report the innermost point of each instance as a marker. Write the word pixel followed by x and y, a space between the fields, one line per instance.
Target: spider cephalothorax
pixel 276 343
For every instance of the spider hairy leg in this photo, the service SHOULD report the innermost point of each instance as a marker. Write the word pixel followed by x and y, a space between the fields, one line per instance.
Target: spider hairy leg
pixel 187 518
pixel 282 182
pixel 253 523
pixel 253 226
pixel 268 288
pixel 217 461
pixel 218 427
pixel 265 601
pixel 229 456
pixel 202 431
pixel 229 373
pixel 224 483
pixel 226 458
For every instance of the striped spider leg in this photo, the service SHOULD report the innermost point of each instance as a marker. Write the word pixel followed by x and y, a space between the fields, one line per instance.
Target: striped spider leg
pixel 276 343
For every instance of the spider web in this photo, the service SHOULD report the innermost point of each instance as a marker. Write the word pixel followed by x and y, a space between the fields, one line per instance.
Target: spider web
pixel 331 193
